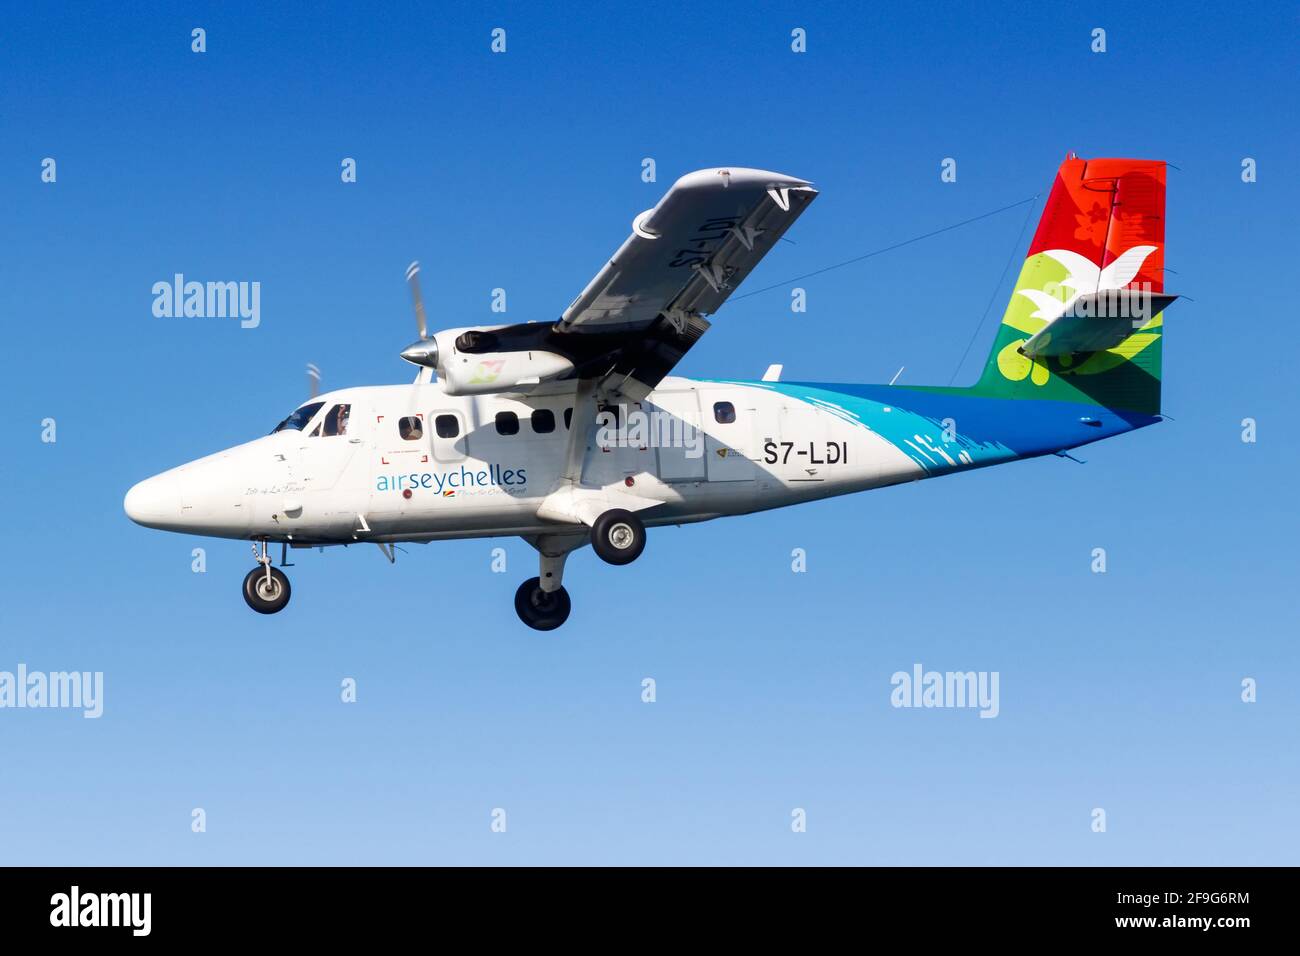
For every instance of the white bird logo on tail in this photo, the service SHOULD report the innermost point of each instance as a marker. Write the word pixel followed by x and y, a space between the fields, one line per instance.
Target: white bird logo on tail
pixel 1085 277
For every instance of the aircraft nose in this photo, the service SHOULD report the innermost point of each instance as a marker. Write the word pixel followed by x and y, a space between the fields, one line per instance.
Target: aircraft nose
pixel 154 502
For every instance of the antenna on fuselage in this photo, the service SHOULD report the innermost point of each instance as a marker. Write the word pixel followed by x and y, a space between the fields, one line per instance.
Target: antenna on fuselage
pixel 313 380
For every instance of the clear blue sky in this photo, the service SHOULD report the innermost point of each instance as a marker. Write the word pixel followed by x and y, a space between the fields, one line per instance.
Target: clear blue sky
pixel 522 171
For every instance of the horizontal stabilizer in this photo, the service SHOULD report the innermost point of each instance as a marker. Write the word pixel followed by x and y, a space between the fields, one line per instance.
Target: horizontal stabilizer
pixel 1096 322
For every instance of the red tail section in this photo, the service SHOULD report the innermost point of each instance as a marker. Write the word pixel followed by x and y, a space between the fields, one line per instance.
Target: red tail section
pixel 1102 231
pixel 1102 209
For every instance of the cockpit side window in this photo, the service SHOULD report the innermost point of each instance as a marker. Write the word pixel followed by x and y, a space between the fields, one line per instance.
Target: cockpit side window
pixel 300 417
pixel 336 420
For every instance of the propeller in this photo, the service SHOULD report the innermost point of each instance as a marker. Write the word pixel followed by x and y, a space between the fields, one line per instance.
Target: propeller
pixel 313 381
pixel 425 351
pixel 413 280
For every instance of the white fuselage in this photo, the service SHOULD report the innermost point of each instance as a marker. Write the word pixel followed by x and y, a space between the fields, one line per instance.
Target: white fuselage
pixel 415 464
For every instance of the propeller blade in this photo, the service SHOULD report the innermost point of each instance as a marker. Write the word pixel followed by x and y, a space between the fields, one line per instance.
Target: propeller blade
pixel 313 380
pixel 413 278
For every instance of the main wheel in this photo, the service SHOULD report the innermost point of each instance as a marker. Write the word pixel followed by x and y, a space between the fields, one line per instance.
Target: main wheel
pixel 618 537
pixel 541 610
pixel 263 597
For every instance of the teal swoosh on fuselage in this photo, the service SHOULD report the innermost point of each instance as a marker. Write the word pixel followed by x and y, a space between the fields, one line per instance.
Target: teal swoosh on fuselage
pixel 983 430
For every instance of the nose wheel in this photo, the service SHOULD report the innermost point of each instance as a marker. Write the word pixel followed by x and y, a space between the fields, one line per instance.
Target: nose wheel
pixel 541 602
pixel 541 610
pixel 266 589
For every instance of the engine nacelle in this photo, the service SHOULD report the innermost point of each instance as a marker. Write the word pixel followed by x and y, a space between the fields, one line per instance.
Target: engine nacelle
pixel 471 362
pixel 469 374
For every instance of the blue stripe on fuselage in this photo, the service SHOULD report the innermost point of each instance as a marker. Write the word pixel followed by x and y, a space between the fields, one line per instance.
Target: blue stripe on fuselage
pixel 985 431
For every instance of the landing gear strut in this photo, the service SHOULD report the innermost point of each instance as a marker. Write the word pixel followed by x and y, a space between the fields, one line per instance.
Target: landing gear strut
pixel 541 602
pixel 266 589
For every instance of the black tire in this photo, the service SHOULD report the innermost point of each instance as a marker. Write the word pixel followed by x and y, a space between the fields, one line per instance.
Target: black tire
pixel 259 597
pixel 541 610
pixel 618 536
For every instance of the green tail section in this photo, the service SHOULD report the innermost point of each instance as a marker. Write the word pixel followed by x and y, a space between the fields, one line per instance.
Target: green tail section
pixel 1126 376
pixel 1102 229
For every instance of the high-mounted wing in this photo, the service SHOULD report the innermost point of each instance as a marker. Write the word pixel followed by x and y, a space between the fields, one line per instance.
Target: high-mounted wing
pixel 688 253
pixel 646 308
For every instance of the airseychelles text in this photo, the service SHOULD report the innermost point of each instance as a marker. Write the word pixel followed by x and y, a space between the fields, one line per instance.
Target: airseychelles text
pixel 493 476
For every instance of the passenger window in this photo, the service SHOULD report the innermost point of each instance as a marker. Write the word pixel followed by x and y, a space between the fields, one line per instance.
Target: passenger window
pixel 410 428
pixel 724 413
pixel 507 423
pixel 568 418
pixel 336 420
pixel 446 426
pixel 543 421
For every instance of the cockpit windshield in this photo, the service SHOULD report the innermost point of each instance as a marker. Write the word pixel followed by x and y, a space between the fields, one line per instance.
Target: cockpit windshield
pixel 299 419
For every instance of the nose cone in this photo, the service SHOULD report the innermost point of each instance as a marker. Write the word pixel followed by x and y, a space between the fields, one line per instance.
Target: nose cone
pixel 154 502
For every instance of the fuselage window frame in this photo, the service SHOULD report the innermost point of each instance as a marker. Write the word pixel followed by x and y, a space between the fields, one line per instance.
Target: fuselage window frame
pixel 542 421
pixel 446 426
pixel 507 423
pixel 410 428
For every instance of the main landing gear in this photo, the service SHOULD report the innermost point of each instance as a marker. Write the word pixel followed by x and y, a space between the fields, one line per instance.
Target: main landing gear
pixel 618 536
pixel 266 589
pixel 542 603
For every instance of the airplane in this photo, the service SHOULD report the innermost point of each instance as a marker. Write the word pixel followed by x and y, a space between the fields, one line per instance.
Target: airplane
pixel 573 432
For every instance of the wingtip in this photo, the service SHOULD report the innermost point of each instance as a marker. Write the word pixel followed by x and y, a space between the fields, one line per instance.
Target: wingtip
pixel 737 176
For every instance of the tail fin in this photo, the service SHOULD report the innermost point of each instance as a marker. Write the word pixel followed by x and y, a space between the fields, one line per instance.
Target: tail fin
pixel 1103 229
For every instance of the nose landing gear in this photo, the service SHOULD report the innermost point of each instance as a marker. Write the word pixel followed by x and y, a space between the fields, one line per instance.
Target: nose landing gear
pixel 540 609
pixel 542 602
pixel 266 589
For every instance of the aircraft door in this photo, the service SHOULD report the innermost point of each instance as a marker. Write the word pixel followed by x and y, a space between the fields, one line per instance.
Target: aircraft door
pixel 329 448
pixel 684 459
pixel 731 443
